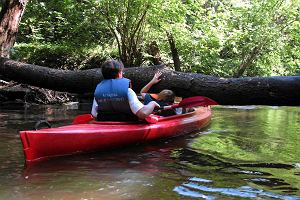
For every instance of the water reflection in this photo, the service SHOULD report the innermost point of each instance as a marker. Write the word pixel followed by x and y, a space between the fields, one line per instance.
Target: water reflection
pixel 258 141
pixel 123 174
pixel 249 152
pixel 195 188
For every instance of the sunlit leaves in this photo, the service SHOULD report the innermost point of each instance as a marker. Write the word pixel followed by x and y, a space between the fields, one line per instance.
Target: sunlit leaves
pixel 212 37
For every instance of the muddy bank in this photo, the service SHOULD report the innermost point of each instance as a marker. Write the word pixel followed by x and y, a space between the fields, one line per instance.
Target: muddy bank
pixel 12 92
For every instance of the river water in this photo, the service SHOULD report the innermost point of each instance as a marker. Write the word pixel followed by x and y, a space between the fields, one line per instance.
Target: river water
pixel 247 152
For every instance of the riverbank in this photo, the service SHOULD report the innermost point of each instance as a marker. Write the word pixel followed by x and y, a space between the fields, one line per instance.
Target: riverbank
pixel 12 92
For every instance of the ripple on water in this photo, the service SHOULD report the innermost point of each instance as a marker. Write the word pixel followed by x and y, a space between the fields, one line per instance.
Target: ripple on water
pixel 194 188
pixel 250 107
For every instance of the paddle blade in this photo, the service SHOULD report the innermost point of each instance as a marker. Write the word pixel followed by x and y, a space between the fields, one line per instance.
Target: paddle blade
pixel 83 119
pixel 196 101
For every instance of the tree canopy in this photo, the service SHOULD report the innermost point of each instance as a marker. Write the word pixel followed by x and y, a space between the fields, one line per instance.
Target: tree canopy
pixel 222 38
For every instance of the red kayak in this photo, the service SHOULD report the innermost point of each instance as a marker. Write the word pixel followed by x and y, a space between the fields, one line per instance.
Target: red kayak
pixel 98 136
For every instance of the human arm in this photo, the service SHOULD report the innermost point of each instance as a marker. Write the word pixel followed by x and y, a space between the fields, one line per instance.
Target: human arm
pixel 146 88
pixel 146 110
pixel 140 110
pixel 94 111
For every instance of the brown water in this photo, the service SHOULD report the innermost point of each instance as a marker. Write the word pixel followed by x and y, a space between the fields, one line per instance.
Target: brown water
pixel 248 152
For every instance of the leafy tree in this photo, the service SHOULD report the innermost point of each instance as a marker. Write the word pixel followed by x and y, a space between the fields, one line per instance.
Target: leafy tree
pixel 72 22
pixel 261 31
pixel 67 34
pixel 127 21
pixel 223 38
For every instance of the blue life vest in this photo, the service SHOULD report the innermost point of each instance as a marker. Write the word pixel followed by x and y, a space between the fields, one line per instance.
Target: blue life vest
pixel 112 99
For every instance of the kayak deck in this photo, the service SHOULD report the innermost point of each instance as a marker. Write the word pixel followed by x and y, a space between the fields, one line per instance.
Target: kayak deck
pixel 98 136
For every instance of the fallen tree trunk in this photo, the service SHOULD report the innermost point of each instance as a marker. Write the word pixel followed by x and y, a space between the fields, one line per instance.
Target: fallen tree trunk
pixel 226 91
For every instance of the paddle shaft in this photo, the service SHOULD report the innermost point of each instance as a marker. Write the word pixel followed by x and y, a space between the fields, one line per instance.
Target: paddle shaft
pixel 192 102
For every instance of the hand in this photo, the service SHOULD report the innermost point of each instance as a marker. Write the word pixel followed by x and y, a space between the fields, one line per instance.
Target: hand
pixel 156 77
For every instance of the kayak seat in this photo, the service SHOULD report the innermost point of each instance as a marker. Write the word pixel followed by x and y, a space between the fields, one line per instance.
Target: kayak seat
pixel 114 116
pixel 166 113
pixel 176 111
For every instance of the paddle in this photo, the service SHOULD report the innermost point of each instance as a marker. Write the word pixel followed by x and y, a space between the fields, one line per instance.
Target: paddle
pixel 83 119
pixel 192 102
pixel 185 103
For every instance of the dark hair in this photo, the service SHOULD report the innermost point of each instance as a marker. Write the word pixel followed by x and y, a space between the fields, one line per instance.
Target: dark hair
pixel 111 68
pixel 166 96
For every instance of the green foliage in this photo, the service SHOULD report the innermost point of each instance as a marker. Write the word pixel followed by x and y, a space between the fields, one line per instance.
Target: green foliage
pixel 61 56
pixel 76 23
pixel 223 38
pixel 54 56
pixel 260 25
pixel 126 20
pixel 259 135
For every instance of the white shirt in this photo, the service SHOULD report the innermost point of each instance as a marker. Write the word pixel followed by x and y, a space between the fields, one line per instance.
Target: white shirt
pixel 134 103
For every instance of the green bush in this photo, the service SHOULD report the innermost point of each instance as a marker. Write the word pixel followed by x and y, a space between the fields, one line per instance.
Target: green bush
pixel 61 56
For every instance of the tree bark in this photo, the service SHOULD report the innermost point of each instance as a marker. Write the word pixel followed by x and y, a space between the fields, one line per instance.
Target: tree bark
pixel 174 51
pixel 128 33
pixel 248 60
pixel 10 17
pixel 154 51
pixel 226 91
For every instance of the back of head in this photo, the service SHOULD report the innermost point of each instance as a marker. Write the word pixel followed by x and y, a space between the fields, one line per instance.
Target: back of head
pixel 166 96
pixel 111 68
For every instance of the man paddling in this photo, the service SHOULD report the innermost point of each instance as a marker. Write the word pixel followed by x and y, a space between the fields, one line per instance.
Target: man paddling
pixel 114 100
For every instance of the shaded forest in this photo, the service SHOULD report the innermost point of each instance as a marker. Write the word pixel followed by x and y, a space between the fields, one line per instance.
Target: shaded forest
pixel 240 39
pixel 221 38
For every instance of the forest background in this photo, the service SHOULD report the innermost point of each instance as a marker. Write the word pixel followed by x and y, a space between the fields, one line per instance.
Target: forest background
pixel 230 38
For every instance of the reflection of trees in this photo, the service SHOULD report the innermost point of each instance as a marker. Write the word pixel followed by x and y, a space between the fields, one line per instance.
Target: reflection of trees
pixel 262 134
pixel 203 159
pixel 264 138
pixel 244 129
pixel 229 174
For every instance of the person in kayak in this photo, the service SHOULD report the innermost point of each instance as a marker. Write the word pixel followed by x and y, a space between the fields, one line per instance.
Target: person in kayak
pixel 164 98
pixel 114 100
